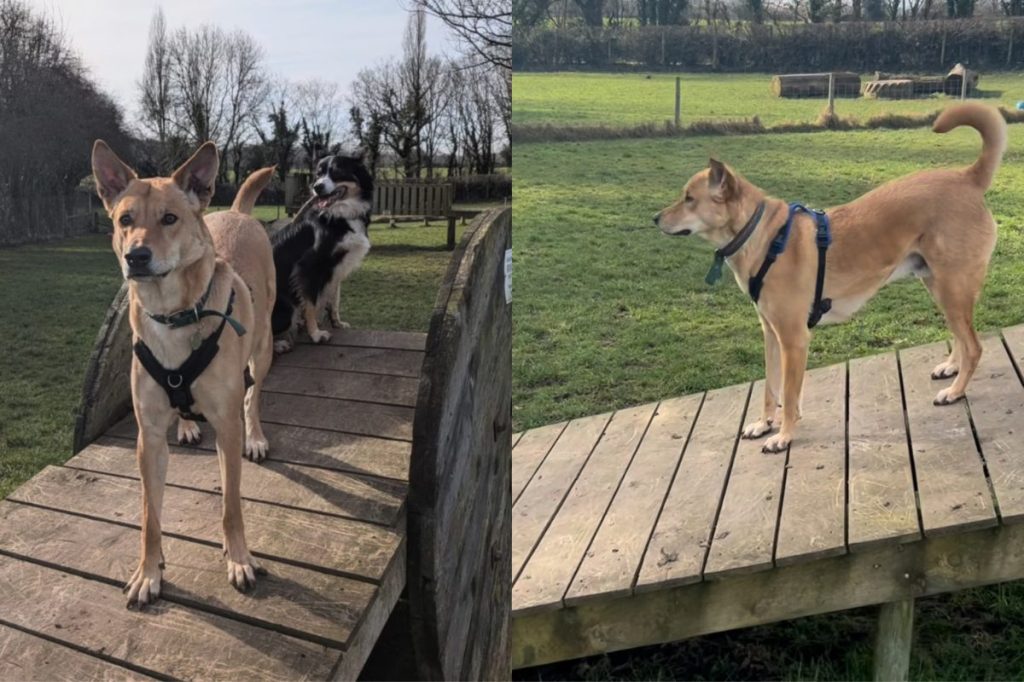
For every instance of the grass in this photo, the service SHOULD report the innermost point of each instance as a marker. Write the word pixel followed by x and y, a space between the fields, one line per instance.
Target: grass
pixel 610 313
pixel 54 296
pixel 627 100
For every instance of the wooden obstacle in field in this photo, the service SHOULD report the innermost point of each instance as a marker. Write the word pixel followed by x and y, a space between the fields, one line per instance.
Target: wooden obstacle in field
pixel 844 84
pixel 389 470
pixel 657 523
pixel 887 86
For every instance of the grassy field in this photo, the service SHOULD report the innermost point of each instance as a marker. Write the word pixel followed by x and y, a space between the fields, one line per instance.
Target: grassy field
pixel 610 312
pixel 620 100
pixel 54 296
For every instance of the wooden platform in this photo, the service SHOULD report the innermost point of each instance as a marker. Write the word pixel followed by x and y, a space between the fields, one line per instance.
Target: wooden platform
pixel 656 523
pixel 326 513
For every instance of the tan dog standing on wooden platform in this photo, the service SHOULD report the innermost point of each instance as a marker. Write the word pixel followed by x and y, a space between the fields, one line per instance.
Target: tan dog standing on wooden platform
pixel 201 290
pixel 933 224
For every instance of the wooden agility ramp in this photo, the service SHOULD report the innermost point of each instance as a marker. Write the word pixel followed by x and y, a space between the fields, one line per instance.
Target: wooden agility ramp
pixel 658 523
pixel 371 451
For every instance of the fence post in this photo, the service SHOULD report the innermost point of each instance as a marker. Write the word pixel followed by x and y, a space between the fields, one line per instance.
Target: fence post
pixel 963 85
pixel 831 94
pixel 942 51
pixel 663 46
pixel 677 101
pixel 1009 49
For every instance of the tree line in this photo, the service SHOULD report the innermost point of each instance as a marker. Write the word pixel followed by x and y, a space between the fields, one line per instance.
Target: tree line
pixel 531 14
pixel 895 46
pixel 411 116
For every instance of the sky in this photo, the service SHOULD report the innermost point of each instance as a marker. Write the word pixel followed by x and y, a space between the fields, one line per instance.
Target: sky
pixel 327 39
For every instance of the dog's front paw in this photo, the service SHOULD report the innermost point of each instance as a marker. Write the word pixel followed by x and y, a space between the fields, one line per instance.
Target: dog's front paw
pixel 338 323
pixel 945 370
pixel 256 448
pixel 947 396
pixel 757 429
pixel 144 586
pixel 242 572
pixel 282 346
pixel 189 433
pixel 777 443
pixel 320 336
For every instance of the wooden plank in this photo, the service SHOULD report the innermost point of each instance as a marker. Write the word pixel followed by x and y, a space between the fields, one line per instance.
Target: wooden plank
pixel 542 497
pixel 298 601
pixel 320 490
pixel 954 495
pixel 550 569
pixel 168 638
pixel 374 388
pixel 679 544
pixel 744 537
pixel 883 506
pixel 529 452
pixel 25 656
pixel 375 339
pixel 996 399
pixel 333 544
pixel 315 447
pixel 367 419
pixel 612 562
pixel 876 575
pixel 402 363
pixel 813 519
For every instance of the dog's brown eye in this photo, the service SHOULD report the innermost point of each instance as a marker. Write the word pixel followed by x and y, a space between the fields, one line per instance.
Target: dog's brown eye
pixel 125 219
pixel 169 219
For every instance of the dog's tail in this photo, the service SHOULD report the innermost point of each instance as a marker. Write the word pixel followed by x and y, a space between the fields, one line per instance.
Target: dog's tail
pixel 990 123
pixel 251 188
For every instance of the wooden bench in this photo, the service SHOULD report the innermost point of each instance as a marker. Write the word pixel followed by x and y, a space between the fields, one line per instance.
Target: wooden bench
pixel 657 523
pixel 380 480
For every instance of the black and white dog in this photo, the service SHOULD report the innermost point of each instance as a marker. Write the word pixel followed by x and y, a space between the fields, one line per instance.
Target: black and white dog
pixel 313 256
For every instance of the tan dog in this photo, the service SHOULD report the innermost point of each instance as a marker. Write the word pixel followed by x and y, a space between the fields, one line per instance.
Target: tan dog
pixel 176 263
pixel 933 224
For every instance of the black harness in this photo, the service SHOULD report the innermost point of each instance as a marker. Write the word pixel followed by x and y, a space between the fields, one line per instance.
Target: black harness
pixel 177 383
pixel 823 239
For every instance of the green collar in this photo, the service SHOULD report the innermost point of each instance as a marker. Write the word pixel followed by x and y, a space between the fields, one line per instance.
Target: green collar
pixel 189 316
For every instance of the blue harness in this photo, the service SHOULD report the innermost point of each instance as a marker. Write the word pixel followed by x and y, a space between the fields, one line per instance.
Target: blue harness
pixel 778 245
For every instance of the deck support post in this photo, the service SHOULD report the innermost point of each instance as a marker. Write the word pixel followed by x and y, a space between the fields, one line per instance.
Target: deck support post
pixel 892 645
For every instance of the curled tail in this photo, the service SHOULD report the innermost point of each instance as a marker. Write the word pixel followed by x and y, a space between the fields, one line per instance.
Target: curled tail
pixel 251 188
pixel 990 123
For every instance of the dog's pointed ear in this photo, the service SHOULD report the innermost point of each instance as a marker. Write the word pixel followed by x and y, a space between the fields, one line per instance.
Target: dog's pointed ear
pixel 198 175
pixel 112 174
pixel 721 181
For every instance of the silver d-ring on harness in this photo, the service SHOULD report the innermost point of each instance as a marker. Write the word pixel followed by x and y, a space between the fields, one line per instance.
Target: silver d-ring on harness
pixel 171 377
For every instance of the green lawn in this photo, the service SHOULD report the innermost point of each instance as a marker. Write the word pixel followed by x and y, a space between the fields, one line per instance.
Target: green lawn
pixel 610 312
pixel 54 296
pixel 619 100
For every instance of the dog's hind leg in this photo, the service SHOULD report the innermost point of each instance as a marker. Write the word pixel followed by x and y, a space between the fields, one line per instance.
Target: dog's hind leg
pixel 188 432
pixel 152 451
pixel 773 379
pixel 256 445
pixel 951 365
pixel 227 422
pixel 957 299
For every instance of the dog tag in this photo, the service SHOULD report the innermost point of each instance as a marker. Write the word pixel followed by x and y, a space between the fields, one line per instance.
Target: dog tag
pixel 196 340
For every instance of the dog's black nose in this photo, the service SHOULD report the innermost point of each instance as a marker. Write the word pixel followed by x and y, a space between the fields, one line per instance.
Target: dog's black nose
pixel 139 257
pixel 657 218
pixel 318 187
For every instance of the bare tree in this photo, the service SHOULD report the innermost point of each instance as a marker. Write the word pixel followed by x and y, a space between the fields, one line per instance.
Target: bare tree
pixel 483 26
pixel 155 93
pixel 319 110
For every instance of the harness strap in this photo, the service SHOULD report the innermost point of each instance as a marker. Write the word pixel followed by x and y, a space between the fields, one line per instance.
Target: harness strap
pixel 177 383
pixel 823 239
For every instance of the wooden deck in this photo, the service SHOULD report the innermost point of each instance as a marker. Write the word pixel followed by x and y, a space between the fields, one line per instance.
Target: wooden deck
pixel 656 523
pixel 325 512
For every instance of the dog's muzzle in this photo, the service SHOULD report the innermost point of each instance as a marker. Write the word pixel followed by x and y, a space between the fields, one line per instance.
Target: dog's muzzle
pixel 139 260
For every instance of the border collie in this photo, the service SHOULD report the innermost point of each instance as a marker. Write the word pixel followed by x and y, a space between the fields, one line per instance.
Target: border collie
pixel 315 255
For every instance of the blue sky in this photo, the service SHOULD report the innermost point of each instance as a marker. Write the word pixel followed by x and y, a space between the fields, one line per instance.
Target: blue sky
pixel 326 39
